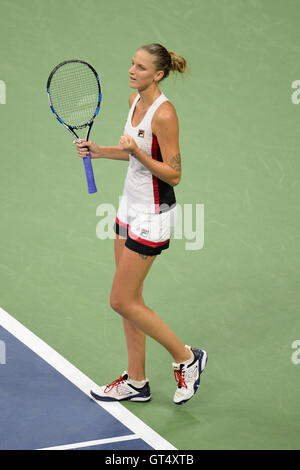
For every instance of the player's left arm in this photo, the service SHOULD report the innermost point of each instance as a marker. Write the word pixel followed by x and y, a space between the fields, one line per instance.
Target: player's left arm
pixel 165 127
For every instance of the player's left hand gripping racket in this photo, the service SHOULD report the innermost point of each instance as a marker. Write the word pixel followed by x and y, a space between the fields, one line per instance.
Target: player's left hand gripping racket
pixel 74 94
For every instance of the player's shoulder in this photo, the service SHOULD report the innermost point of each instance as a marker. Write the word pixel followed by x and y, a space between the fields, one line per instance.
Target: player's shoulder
pixel 132 98
pixel 165 112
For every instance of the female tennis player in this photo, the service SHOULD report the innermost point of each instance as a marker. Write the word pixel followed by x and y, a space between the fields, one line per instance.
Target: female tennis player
pixel 144 224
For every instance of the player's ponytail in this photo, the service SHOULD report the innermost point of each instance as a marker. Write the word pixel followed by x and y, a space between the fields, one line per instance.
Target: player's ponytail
pixel 178 63
pixel 165 60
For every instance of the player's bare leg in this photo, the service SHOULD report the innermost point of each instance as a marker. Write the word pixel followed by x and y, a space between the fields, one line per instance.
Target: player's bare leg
pixel 135 337
pixel 126 299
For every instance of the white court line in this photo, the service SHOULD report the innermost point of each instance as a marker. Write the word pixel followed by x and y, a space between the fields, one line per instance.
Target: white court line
pixel 79 445
pixel 81 381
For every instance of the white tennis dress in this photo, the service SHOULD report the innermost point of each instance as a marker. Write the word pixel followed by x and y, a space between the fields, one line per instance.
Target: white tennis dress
pixel 147 210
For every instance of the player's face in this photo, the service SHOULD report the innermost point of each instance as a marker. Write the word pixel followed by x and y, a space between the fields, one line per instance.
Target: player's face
pixel 142 73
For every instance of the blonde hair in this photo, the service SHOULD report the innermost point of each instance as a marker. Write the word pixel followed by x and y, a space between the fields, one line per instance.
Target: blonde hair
pixel 165 60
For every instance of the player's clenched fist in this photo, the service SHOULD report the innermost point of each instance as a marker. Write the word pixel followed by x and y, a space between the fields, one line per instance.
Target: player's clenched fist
pixel 128 144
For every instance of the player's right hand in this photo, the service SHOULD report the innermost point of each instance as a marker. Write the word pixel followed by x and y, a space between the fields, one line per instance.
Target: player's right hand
pixel 86 146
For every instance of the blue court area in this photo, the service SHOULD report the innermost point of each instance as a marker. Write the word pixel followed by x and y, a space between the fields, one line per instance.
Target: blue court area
pixel 40 408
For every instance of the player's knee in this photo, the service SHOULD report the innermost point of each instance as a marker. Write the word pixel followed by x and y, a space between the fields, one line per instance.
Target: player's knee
pixel 118 303
pixel 124 305
pixel 115 304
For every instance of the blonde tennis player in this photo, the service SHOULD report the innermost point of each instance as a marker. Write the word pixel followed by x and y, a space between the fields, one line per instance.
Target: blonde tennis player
pixel 144 224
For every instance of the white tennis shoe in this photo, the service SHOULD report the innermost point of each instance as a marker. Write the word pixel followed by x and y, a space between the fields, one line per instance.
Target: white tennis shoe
pixel 188 376
pixel 121 390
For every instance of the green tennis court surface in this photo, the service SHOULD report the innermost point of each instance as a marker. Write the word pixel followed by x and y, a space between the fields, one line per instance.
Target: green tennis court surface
pixel 238 296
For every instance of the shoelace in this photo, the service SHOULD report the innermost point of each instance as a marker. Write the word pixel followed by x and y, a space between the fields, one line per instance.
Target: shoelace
pixel 179 376
pixel 115 383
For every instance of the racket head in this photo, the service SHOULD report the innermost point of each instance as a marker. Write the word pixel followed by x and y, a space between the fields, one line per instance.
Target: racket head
pixel 74 93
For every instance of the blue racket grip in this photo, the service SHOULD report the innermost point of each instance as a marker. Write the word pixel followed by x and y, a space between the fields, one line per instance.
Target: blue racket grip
pixel 89 174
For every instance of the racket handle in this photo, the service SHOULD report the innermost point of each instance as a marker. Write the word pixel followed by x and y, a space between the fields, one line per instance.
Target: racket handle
pixel 89 174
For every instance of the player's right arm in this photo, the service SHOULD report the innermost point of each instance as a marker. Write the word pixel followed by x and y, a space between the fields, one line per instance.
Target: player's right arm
pixel 97 151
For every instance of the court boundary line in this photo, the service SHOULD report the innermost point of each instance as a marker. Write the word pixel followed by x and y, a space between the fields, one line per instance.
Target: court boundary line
pixel 140 429
pixel 77 445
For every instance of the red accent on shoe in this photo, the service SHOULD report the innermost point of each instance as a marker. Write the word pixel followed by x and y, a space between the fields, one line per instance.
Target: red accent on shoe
pixel 179 376
pixel 115 383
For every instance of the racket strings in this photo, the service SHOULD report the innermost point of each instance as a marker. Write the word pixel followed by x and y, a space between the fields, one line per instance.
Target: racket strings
pixel 74 92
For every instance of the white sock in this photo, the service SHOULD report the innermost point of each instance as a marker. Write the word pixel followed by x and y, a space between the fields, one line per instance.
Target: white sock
pixel 137 383
pixel 191 359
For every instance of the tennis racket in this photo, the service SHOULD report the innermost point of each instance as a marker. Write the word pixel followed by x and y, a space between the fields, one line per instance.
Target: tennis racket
pixel 74 94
